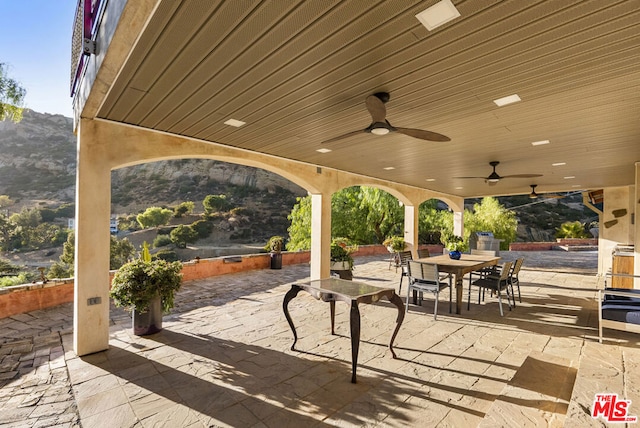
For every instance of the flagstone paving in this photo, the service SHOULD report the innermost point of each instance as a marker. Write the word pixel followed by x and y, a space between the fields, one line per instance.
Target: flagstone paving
pixel 224 359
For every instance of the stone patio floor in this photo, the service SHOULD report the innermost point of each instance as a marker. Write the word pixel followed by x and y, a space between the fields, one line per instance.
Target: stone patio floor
pixel 224 359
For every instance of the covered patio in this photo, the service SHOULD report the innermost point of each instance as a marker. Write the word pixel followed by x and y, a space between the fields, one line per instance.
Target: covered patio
pixel 223 359
pixel 545 93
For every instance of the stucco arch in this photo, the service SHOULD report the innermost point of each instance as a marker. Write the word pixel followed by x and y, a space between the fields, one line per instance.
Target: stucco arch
pixel 129 145
pixel 104 146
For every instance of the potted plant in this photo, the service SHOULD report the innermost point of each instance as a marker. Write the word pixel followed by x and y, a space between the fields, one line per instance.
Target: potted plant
pixel 394 244
pixel 341 259
pixel 147 288
pixel 454 243
pixel 274 247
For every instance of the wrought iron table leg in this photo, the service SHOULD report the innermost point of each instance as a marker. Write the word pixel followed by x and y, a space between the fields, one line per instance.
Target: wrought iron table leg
pixel 354 319
pixel 332 308
pixel 287 298
pixel 396 300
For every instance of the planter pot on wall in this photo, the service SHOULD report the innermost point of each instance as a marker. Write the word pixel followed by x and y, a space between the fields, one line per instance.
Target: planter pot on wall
pixel 276 260
pixel 150 321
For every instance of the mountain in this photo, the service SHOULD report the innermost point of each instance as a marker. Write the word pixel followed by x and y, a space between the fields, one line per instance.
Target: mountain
pixel 38 162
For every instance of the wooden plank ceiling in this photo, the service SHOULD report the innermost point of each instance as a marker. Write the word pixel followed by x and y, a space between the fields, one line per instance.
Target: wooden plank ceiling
pixel 298 73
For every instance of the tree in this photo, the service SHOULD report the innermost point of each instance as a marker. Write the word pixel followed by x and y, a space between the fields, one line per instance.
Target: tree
pixel 432 222
pixel 183 235
pixel 11 96
pixel 491 216
pixel 5 201
pixel 215 203
pixel 364 215
pixel 8 268
pixel 154 217
pixel 300 228
pixel 183 209
pixel 571 229
pixel 120 251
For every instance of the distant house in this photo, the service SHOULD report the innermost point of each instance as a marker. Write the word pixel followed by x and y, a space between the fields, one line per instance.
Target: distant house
pixel 113 225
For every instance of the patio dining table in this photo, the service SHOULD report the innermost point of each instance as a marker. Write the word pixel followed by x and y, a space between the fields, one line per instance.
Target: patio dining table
pixel 459 268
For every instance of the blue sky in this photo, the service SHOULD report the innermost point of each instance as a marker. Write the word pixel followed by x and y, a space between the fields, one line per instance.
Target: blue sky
pixel 35 43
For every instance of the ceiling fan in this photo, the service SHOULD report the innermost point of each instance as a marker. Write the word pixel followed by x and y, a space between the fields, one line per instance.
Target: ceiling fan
pixel 534 195
pixel 381 126
pixel 494 177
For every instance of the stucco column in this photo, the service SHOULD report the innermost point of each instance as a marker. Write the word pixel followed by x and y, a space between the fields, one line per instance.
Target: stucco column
pixel 458 223
pixel 93 208
pixel 411 228
pixel 320 235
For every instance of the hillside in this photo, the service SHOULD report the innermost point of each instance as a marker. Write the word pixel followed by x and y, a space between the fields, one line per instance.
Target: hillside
pixel 37 168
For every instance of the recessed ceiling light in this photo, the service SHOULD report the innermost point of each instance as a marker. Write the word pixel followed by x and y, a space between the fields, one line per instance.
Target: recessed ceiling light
pixel 389 168
pixel 558 164
pixel 569 177
pixel 438 14
pixel 540 143
pixel 431 179
pixel 459 188
pixel 507 100
pixel 323 150
pixel 236 123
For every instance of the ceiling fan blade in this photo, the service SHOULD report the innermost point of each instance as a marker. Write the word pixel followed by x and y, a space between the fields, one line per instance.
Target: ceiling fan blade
pixel 423 135
pixel 521 176
pixel 343 136
pixel 376 108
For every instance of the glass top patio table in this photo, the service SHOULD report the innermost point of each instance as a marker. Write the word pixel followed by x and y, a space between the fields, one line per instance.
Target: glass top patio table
pixel 352 292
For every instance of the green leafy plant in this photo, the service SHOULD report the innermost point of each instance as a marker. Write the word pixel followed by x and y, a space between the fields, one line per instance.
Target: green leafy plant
pixel 452 242
pixel 138 282
pixel 275 244
pixel 341 250
pixel 395 243
pixel 571 229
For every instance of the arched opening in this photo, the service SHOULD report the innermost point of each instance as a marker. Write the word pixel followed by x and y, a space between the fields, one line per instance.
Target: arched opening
pixel 249 206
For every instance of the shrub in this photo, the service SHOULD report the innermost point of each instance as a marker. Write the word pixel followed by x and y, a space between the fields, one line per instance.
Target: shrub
pixel 183 235
pixel 571 229
pixel 168 255
pixel 203 228
pixel 161 241
pixel 8 281
pixel 183 208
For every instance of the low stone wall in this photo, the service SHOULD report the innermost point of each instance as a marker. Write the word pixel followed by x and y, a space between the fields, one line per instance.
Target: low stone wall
pixel 548 246
pixel 20 299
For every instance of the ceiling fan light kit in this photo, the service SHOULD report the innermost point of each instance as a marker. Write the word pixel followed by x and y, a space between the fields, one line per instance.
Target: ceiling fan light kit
pixel 534 195
pixel 494 177
pixel 381 126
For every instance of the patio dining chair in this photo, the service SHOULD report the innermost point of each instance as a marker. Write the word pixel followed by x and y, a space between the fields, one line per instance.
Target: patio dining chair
pixel 423 253
pixel 425 277
pixel 404 256
pixel 495 283
pixel 514 281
